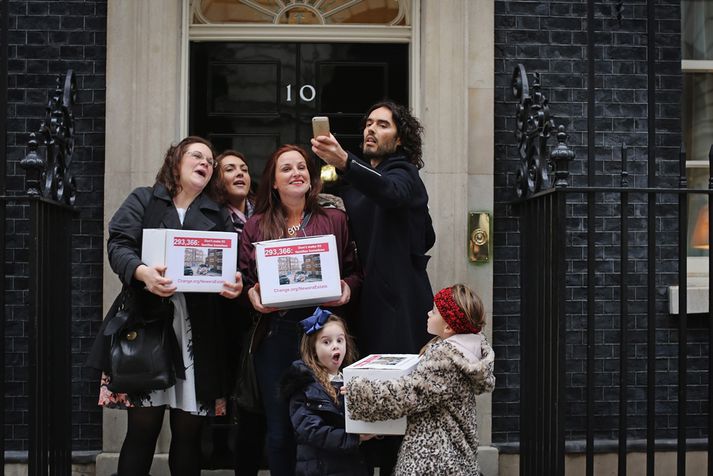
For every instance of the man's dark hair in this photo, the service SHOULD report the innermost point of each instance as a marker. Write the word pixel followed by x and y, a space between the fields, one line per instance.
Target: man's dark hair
pixel 408 129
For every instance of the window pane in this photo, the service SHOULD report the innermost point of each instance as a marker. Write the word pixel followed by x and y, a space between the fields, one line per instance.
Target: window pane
pixel 698 114
pixel 232 89
pixel 698 213
pixel 697 29
pixel 230 11
pixel 369 11
pixel 300 16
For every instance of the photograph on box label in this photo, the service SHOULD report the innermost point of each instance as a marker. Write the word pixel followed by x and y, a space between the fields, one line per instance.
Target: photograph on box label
pixel 389 360
pixel 203 262
pixel 299 269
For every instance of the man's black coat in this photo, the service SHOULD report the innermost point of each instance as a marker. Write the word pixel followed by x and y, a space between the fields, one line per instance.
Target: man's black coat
pixel 388 214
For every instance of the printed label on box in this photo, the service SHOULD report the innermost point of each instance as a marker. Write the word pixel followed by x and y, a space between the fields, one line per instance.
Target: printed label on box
pixel 298 272
pixel 196 261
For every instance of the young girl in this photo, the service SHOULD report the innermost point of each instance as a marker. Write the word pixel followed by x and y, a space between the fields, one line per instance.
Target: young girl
pixel 316 406
pixel 438 397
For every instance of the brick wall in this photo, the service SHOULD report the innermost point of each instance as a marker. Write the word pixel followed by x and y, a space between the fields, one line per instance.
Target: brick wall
pixel 550 37
pixel 48 37
pixel 45 39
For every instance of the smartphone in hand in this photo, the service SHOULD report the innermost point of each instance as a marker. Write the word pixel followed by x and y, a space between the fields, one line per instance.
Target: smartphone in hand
pixel 320 126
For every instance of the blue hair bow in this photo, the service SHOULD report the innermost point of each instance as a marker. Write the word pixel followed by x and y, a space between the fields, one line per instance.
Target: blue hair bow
pixel 316 321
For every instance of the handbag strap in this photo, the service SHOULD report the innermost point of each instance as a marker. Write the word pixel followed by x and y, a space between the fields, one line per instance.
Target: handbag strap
pixel 153 215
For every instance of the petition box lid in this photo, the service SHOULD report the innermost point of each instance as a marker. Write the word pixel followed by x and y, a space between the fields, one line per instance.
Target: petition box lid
pixel 385 362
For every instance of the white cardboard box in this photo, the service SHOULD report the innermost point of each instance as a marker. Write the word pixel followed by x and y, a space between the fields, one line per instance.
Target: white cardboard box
pixel 378 367
pixel 297 272
pixel 196 261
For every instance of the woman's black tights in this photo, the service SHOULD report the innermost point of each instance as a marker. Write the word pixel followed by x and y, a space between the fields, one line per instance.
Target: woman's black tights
pixel 144 425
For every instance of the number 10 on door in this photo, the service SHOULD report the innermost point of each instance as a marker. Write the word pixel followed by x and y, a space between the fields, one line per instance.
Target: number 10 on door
pixel 307 93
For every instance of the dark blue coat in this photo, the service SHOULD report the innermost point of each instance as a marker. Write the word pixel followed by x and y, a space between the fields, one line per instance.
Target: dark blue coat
pixel 388 214
pixel 323 446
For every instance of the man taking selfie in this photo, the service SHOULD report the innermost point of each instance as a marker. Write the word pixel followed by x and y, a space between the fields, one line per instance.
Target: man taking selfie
pixel 387 205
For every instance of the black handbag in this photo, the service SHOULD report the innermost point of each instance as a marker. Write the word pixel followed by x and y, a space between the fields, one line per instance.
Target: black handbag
pixel 143 349
pixel 247 392
pixel 136 346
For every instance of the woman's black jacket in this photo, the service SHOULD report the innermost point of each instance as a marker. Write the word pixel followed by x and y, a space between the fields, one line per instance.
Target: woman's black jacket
pixel 205 310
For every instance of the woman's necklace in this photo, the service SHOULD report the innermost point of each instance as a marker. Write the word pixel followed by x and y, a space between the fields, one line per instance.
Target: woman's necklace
pixel 292 230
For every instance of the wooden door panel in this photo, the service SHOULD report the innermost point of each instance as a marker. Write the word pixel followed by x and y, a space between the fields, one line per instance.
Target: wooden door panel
pixel 243 88
pixel 254 97
pixel 252 145
pixel 350 77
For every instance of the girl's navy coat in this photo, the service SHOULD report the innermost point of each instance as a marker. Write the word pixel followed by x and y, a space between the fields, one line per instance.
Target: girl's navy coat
pixel 323 446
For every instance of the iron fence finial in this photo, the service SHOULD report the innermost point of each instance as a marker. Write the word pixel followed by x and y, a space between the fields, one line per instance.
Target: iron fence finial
pixel 48 173
pixel 561 156
pixel 34 168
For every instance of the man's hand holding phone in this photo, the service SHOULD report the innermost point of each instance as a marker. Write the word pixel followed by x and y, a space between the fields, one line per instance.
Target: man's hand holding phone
pixel 325 146
pixel 320 126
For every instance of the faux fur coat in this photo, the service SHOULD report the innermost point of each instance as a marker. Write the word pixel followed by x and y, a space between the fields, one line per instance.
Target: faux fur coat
pixel 438 398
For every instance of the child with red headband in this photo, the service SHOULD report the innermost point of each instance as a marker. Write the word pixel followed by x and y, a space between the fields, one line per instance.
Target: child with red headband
pixel 438 397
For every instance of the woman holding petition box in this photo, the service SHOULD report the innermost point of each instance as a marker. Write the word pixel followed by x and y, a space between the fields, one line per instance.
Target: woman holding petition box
pixel 234 191
pixel 287 207
pixel 176 201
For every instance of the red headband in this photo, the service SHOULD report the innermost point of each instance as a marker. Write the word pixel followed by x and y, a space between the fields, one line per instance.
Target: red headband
pixel 452 314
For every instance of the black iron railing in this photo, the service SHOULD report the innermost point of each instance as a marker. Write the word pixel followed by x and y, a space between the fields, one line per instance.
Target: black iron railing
pixel 562 304
pixel 4 28
pixel 48 205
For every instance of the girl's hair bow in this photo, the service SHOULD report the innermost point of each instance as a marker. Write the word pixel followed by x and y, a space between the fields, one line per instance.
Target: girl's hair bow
pixel 316 321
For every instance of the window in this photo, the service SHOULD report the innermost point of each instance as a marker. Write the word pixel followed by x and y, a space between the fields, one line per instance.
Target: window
pixel 697 120
pixel 302 12
pixel 697 127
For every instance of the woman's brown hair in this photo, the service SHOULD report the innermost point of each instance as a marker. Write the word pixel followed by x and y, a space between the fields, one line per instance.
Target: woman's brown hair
pixel 217 191
pixel 309 355
pixel 273 224
pixel 168 175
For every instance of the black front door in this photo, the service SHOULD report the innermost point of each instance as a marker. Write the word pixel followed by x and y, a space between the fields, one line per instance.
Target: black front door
pixel 254 97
